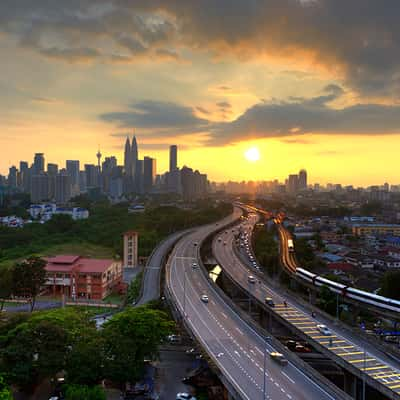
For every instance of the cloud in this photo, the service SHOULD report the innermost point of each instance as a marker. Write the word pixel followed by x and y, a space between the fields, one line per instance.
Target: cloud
pixel 224 104
pixel 300 116
pixel 165 117
pixel 362 48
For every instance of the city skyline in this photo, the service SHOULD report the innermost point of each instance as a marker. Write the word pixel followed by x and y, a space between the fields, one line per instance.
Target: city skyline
pixel 308 102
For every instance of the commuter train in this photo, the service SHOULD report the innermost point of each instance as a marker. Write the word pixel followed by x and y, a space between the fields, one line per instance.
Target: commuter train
pixel 290 245
pixel 348 291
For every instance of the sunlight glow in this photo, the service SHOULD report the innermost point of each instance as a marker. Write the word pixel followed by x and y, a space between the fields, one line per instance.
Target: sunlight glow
pixel 252 154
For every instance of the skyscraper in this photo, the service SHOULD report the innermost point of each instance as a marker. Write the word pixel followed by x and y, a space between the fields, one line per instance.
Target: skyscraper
pixel 52 171
pixel 73 172
pixel 149 173
pixel 128 158
pixel 173 157
pixel 134 156
pixel 24 175
pixel 40 187
pixel 303 179
pixel 13 177
pixel 293 184
pixel 63 187
pixel 38 164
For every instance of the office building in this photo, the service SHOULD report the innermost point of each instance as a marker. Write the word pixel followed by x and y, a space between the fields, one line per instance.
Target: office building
pixel 52 171
pixel 303 179
pixel 293 184
pixel 139 177
pixel 13 177
pixel 38 164
pixel 73 171
pixel 63 187
pixel 39 187
pixel 24 176
pixel 91 176
pixel 173 158
pixel 149 173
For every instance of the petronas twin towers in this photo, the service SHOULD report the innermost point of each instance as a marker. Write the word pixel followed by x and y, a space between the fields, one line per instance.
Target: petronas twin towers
pixel 131 157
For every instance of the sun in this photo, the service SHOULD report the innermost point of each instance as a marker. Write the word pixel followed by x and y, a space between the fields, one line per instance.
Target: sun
pixel 252 154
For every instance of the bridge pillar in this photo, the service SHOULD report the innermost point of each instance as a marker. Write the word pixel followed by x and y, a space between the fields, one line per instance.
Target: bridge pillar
pixel 350 384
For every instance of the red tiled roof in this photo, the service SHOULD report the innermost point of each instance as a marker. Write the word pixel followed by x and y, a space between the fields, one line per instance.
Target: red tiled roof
pixel 342 266
pixel 76 263
pixel 63 259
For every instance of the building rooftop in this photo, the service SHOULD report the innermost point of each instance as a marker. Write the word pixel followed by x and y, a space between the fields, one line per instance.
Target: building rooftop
pixel 69 263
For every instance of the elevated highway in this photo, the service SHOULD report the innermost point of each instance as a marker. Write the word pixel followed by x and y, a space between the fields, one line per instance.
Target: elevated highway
pixel 359 358
pixel 239 352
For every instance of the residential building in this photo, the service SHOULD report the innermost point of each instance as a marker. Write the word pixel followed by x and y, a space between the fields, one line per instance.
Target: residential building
pixel 130 249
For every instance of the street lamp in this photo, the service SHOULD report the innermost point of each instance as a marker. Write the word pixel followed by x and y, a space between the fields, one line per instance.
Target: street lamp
pixel 184 291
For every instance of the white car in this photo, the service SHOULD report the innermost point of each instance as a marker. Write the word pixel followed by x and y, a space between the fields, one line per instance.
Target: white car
pixel 194 265
pixel 204 298
pixel 251 279
pixel 324 330
pixel 185 396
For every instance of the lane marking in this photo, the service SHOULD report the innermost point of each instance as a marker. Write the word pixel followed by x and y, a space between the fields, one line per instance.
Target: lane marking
pixel 287 376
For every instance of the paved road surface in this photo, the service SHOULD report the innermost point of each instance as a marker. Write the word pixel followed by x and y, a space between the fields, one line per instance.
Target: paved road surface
pixel 351 349
pixel 152 270
pixel 233 345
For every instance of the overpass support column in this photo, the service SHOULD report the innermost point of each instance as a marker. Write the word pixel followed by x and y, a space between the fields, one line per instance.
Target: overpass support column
pixel 350 384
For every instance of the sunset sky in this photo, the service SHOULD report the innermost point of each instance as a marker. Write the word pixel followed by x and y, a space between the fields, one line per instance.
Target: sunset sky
pixel 311 84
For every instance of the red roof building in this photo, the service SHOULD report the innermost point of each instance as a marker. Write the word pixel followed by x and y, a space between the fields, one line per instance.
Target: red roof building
pixel 341 266
pixel 77 277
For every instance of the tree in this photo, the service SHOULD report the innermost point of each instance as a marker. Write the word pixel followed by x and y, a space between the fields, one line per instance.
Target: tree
pixel 87 352
pixel 38 347
pixel 130 337
pixel 28 277
pixel 391 285
pixel 83 392
pixel 327 300
pixel 5 393
pixel 5 286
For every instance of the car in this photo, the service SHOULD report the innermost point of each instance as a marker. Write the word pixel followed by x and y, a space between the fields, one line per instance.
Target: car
pixel 195 243
pixel 269 302
pixel 204 298
pixel 184 396
pixel 278 357
pixel 174 338
pixel 194 265
pixel 251 279
pixel 219 239
pixel 224 243
pixel 324 330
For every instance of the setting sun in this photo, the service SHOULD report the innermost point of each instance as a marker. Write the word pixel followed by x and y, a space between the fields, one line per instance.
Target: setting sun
pixel 252 154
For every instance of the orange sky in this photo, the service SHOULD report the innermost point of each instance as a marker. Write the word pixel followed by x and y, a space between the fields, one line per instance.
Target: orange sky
pixel 270 77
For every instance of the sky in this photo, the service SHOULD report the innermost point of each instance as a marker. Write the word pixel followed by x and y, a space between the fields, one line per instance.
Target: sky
pixel 312 84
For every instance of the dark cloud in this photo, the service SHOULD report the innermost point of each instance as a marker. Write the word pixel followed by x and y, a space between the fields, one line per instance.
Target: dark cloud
pixel 357 39
pixel 301 116
pixel 165 117
pixel 224 104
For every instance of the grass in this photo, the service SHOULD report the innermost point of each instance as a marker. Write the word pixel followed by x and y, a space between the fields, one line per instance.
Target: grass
pixel 84 249
pixel 92 311
pixel 114 298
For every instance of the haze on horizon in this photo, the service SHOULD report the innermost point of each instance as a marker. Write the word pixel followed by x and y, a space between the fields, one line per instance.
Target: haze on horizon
pixel 310 83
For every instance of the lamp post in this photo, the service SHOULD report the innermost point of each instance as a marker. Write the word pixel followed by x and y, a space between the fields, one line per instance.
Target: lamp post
pixel 184 291
pixel 364 375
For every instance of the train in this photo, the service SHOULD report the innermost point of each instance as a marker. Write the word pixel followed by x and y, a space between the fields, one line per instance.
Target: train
pixel 350 292
pixel 290 245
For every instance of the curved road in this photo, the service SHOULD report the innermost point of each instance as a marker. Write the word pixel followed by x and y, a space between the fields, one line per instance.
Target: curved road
pixel 353 351
pixel 234 346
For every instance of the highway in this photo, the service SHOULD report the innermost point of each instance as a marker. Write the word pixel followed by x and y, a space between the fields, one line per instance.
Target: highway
pixel 232 344
pixel 151 280
pixel 358 354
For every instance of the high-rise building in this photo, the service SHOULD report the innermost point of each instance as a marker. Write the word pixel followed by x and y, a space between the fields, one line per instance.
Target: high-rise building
pixel 139 177
pixel 173 157
pixel 24 175
pixel 52 171
pixel 38 164
pixel 73 171
pixel 128 158
pixel 303 179
pixel 293 184
pixel 39 187
pixel 149 173
pixel 107 169
pixel 13 177
pixel 134 156
pixel 91 175
pixel 63 187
